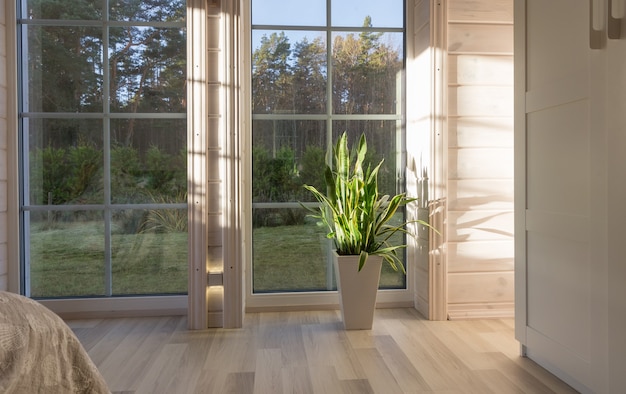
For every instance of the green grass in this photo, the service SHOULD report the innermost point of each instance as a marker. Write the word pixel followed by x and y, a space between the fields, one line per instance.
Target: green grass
pixel 67 259
pixel 293 258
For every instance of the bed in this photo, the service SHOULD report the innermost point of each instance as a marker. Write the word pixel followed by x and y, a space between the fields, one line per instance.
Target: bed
pixel 39 353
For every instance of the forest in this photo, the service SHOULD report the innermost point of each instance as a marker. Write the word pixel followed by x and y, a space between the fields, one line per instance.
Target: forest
pixel 103 119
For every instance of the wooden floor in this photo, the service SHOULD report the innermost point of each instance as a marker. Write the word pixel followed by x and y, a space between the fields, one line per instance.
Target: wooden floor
pixel 309 352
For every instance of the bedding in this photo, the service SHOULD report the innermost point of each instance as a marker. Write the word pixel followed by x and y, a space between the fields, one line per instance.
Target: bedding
pixel 39 353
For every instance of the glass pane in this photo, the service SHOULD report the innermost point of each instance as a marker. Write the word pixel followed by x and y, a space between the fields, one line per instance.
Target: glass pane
pixel 149 251
pixel 353 13
pixel 64 69
pixel 147 10
pixel 390 279
pixel 367 70
pixel 66 254
pixel 289 72
pixel 72 10
pixel 287 154
pixel 289 12
pixel 382 144
pixel 289 252
pixel 148 69
pixel 65 162
pixel 383 139
pixel 148 161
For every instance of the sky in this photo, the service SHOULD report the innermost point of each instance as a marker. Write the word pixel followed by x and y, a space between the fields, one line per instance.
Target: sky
pixel 384 13
pixel 344 13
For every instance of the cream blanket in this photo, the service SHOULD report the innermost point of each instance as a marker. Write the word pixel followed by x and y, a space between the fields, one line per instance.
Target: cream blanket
pixel 39 353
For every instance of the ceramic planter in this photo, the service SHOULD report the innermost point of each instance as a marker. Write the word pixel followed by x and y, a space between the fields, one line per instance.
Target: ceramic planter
pixel 357 290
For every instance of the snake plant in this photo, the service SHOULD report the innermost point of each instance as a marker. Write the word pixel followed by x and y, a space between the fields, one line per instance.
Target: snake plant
pixel 356 215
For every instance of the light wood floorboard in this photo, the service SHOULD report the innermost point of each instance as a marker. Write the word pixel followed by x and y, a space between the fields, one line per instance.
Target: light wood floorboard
pixel 309 352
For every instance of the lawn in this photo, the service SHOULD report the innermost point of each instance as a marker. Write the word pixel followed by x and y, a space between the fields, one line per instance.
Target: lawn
pixel 67 260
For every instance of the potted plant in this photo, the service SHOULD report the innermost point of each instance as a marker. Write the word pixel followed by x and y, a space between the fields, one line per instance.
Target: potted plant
pixel 359 221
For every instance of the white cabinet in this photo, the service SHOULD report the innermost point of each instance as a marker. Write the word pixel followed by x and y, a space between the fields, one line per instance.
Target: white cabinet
pixel 570 148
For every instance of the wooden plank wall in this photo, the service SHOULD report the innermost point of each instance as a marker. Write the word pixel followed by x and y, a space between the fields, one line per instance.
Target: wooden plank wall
pixel 480 158
pixel 420 118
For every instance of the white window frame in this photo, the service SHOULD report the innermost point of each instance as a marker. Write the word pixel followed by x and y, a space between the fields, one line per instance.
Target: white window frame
pixel 66 308
pixel 255 302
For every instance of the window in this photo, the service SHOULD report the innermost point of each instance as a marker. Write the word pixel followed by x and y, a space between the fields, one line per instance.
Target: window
pixel 102 133
pixel 319 68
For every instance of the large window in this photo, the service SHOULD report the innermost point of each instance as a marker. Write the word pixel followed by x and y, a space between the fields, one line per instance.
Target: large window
pixel 102 132
pixel 319 68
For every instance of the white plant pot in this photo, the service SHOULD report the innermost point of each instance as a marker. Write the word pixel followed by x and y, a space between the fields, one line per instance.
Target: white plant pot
pixel 357 290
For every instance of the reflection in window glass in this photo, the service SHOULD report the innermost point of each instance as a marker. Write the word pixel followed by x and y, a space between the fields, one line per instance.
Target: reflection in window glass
pixel 65 69
pixel 65 162
pixel 147 11
pixel 66 254
pixel 148 68
pixel 149 251
pixel 68 10
pixel 148 161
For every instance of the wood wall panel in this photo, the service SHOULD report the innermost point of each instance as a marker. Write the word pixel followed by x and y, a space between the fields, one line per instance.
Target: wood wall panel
pixel 488 101
pixel 480 38
pixel 480 70
pixel 488 194
pixel 475 287
pixel 480 223
pixel 495 11
pixel 480 132
pixel 480 226
pixel 481 163
pixel 482 256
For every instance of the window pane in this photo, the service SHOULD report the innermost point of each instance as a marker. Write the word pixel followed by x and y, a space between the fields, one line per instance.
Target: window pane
pixel 148 161
pixel 367 69
pixel 289 72
pixel 352 13
pixel 149 251
pixel 66 254
pixel 148 69
pixel 64 69
pixel 290 90
pixel 65 162
pixel 382 144
pixel 289 252
pixel 85 9
pixel 289 12
pixel 147 10
pixel 286 155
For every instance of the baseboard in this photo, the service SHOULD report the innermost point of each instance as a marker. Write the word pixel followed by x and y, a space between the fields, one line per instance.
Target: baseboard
pixel 481 311
pixel 90 308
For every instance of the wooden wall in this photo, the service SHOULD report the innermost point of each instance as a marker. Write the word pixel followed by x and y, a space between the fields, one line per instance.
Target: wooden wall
pixel 480 158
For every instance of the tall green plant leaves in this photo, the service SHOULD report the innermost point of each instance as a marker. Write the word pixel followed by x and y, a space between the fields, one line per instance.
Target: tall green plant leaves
pixel 356 216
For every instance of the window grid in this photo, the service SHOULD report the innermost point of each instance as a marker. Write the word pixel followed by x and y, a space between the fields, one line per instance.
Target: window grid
pixel 24 115
pixel 329 116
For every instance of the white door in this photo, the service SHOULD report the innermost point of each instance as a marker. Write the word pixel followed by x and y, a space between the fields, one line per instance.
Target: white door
pixel 561 262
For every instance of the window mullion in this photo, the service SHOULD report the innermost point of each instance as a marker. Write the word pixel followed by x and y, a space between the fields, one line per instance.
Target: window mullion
pixel 106 130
